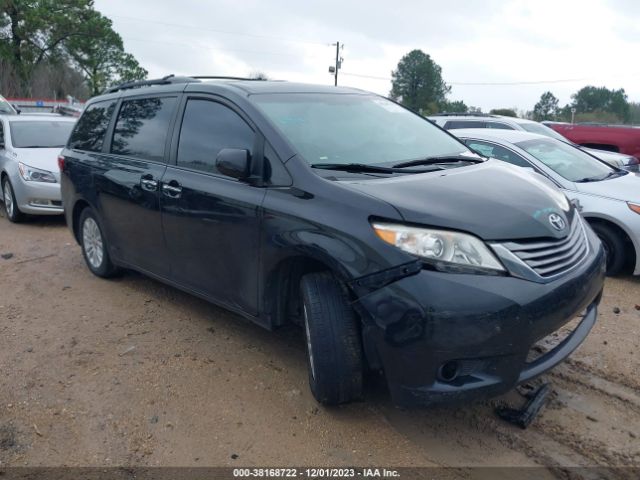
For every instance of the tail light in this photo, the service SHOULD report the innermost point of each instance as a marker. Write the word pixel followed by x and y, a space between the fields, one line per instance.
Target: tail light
pixel 61 162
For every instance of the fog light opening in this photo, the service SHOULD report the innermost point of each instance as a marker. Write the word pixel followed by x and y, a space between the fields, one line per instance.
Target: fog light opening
pixel 448 371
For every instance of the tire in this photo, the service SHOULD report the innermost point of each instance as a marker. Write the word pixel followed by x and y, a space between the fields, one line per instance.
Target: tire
pixel 94 245
pixel 614 247
pixel 334 350
pixel 10 204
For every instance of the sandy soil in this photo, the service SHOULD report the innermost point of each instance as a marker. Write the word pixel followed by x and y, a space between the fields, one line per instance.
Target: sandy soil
pixel 132 372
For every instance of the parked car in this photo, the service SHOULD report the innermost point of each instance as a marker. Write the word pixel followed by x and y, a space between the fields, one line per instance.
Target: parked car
pixel 481 120
pixel 6 108
pixel 615 138
pixel 29 175
pixel 385 238
pixel 608 198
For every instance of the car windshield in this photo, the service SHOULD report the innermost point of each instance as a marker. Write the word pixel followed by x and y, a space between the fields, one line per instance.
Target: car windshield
pixel 355 128
pixel 5 107
pixel 567 161
pixel 40 134
pixel 543 130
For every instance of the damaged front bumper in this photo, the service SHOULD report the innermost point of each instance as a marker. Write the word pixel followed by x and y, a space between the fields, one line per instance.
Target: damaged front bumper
pixel 448 338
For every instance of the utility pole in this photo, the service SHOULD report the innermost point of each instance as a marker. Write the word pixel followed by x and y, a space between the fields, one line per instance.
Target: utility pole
pixel 338 65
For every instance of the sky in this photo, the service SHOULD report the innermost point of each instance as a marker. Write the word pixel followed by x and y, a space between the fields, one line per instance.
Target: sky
pixel 493 53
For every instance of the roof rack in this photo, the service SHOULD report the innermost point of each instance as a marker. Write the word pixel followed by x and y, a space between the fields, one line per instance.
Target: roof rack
pixel 169 79
pixel 462 114
pixel 224 77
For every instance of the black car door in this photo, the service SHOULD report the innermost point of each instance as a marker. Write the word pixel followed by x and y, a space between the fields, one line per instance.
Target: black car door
pixel 211 222
pixel 128 181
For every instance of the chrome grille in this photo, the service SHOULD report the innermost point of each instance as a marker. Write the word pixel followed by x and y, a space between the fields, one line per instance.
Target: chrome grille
pixel 553 257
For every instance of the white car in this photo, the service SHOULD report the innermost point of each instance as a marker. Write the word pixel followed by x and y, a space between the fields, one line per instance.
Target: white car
pixel 607 197
pixel 29 175
pixel 500 122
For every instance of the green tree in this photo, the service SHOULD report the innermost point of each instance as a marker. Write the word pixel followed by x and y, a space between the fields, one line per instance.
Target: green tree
pixel 547 108
pixel 456 106
pixel 417 83
pixel 507 112
pixel 99 53
pixel 592 99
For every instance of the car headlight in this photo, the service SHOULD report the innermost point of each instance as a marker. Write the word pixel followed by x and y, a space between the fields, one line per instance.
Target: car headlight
pixel 446 250
pixel 634 206
pixel 31 174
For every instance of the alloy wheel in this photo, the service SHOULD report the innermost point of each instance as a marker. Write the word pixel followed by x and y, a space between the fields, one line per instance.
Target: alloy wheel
pixel 92 242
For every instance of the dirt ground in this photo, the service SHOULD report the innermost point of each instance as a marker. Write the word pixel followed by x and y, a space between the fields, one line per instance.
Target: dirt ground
pixel 132 372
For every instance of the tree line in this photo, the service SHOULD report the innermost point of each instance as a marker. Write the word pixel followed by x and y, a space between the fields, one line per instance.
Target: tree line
pixel 417 83
pixel 60 47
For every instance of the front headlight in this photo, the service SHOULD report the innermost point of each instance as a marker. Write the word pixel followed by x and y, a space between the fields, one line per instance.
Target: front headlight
pixel 31 174
pixel 446 250
pixel 634 206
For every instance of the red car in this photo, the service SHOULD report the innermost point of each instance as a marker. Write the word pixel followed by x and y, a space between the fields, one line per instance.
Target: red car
pixel 615 138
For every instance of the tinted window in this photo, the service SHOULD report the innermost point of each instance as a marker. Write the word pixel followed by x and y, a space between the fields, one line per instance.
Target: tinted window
pixel 40 134
pixel 499 126
pixel 1 133
pixel 354 128
pixel 207 128
pixel 543 130
pixel 454 124
pixel 142 127
pixel 496 151
pixel 91 128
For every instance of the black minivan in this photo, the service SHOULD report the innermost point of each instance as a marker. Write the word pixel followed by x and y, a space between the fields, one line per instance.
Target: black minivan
pixel 396 248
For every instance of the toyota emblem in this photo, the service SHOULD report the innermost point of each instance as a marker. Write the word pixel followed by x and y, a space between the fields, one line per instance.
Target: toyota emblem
pixel 557 222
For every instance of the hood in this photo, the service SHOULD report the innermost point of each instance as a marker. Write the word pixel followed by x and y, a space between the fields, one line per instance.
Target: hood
pixel 42 158
pixel 493 200
pixel 625 188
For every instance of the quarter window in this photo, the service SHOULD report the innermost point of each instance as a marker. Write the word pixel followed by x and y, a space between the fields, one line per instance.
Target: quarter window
pixel 455 124
pixel 496 151
pixel 91 128
pixel 207 128
pixel 142 127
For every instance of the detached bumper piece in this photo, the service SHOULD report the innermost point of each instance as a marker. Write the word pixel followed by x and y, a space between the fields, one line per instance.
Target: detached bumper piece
pixel 523 417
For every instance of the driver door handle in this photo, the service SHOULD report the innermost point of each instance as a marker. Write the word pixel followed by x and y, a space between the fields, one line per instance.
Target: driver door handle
pixel 172 189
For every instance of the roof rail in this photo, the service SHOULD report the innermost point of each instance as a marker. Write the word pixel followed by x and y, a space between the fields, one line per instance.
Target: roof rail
pixel 461 114
pixel 224 77
pixel 169 79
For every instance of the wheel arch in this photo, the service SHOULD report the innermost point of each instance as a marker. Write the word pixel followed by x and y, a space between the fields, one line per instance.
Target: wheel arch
pixel 78 208
pixel 623 232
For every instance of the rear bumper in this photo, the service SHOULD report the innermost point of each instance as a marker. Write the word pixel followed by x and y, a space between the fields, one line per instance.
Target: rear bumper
pixel 415 329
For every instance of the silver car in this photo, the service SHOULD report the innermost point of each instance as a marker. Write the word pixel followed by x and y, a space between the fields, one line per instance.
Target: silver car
pixel 499 122
pixel 29 175
pixel 607 197
pixel 6 108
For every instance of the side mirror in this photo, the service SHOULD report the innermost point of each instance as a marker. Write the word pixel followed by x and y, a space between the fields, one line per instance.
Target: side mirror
pixel 234 162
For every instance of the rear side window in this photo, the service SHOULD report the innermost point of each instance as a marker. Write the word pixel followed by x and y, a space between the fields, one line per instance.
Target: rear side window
pixel 142 126
pixel 496 151
pixel 91 128
pixel 454 124
pixel 207 128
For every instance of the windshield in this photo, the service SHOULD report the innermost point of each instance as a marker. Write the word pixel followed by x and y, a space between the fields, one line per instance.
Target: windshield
pixel 567 161
pixel 543 130
pixel 363 129
pixel 40 134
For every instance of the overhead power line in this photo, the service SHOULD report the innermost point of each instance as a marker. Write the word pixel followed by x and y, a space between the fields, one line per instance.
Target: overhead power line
pixel 532 82
pixel 223 32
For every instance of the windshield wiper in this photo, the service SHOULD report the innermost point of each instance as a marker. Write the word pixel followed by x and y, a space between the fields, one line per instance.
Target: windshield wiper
pixel 362 167
pixel 598 179
pixel 435 160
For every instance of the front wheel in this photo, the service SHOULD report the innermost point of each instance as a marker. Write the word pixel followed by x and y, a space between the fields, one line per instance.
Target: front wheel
pixel 334 350
pixel 613 246
pixel 94 246
pixel 10 204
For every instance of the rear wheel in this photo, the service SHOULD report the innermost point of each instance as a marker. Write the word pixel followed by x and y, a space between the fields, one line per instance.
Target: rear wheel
pixel 10 204
pixel 613 245
pixel 94 246
pixel 334 350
